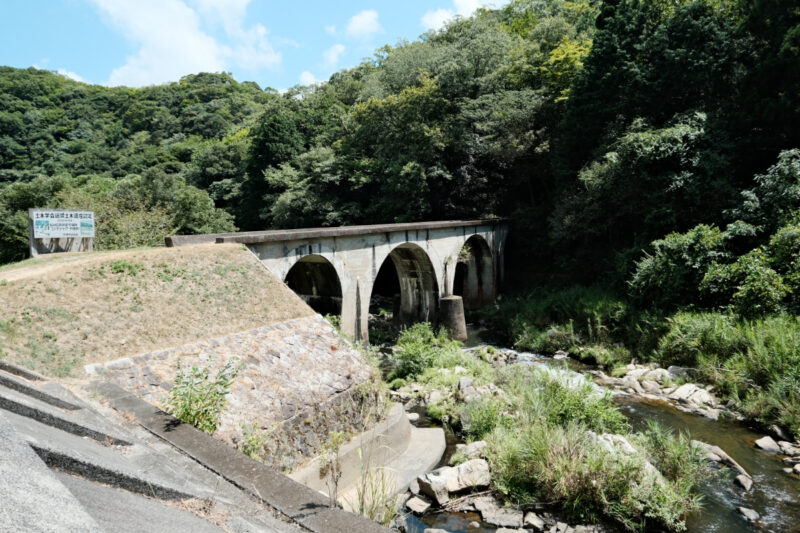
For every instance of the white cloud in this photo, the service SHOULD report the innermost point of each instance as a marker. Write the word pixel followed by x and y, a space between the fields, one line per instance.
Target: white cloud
pixel 435 20
pixel 172 43
pixel 307 78
pixel 332 54
pixel 364 25
pixel 71 75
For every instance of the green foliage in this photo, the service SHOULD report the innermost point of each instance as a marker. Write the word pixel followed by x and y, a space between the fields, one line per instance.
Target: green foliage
pixel 560 398
pixel 752 287
pixel 198 398
pixel 253 440
pixel 480 416
pixel 548 320
pixel 543 450
pixel 418 346
pixel 753 363
pixel 671 275
pixel 123 266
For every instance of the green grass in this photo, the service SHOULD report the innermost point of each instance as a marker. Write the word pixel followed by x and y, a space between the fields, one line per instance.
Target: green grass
pixel 541 445
pixel 756 364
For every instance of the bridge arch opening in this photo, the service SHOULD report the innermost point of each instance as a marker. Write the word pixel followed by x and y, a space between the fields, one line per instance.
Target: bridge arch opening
pixel 473 279
pixel 407 281
pixel 314 279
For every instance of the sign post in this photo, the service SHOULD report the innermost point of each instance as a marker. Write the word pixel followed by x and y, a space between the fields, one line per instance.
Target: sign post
pixel 60 230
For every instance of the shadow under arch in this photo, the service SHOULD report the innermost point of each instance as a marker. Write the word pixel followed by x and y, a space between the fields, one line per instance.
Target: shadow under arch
pixel 314 279
pixel 408 273
pixel 474 278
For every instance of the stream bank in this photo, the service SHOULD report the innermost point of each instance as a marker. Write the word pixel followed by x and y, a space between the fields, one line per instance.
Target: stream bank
pixel 773 494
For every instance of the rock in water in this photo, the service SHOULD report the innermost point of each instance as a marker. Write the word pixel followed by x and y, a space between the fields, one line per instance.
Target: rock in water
pixel 744 481
pixel 750 514
pixel 768 445
pixel 433 485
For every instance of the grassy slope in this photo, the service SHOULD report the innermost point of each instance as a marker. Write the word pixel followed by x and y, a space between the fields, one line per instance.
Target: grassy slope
pixel 60 312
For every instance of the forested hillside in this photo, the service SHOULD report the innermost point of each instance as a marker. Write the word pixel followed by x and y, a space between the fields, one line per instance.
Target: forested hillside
pixel 600 127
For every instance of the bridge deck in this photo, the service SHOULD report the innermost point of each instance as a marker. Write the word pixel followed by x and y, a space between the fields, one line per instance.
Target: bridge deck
pixel 252 237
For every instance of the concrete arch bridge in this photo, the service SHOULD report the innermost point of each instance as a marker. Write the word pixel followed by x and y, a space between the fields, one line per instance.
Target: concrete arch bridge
pixel 343 269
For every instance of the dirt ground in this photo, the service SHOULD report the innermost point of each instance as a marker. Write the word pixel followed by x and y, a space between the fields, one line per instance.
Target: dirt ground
pixel 60 312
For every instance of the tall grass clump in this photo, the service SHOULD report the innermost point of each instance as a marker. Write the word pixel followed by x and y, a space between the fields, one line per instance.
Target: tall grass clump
pixel 545 447
pixel 754 363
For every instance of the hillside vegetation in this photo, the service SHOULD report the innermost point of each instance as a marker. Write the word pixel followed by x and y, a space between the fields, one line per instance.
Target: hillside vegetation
pixel 650 148
pixel 61 312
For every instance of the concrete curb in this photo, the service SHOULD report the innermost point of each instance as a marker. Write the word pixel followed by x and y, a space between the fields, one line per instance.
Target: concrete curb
pixel 296 502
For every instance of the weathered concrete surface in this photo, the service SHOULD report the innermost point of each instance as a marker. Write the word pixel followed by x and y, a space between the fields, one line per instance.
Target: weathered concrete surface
pixel 228 490
pixel 294 372
pixel 36 499
pixel 297 502
pixel 122 512
pixel 32 499
pixel 426 256
pixel 393 452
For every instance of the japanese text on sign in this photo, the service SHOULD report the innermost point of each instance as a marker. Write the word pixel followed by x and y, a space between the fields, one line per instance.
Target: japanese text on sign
pixel 58 224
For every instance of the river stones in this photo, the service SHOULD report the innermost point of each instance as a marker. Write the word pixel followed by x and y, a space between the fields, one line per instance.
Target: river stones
pixel 471 474
pixel 534 521
pixel 744 481
pixel 749 514
pixel 493 513
pixel 788 448
pixel 441 482
pixel 417 505
pixel 768 444
pixel 473 450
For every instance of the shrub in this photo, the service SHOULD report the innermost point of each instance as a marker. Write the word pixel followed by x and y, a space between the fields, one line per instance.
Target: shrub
pixel 749 284
pixel 199 399
pixel 546 320
pixel 417 348
pixel 480 416
pixel 544 462
pixel 560 397
pixel 671 275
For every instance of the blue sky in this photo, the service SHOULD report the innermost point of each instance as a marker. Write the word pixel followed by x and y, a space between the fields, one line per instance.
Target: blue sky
pixel 144 42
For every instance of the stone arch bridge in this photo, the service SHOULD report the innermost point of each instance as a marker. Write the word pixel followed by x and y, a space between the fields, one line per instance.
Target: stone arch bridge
pixel 338 269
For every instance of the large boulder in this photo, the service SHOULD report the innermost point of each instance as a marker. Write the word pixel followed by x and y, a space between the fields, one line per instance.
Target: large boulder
pixel 473 450
pixel 471 474
pixel 433 486
pixel 768 444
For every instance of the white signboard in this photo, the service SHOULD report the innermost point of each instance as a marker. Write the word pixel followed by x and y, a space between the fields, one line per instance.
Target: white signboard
pixel 62 224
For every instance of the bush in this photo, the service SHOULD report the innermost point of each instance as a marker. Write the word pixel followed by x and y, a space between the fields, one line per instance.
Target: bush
pixel 417 349
pixel 545 320
pixel 199 399
pixel 671 275
pixel 749 284
pixel 544 462
pixel 480 416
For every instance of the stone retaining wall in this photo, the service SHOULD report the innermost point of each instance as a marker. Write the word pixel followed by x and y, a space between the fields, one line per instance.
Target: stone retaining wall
pixel 299 381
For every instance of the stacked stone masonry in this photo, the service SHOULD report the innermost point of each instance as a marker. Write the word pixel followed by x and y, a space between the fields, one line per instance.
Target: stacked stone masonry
pixel 299 381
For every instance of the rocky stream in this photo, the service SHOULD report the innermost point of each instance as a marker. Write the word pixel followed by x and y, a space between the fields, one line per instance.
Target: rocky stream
pixel 757 487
